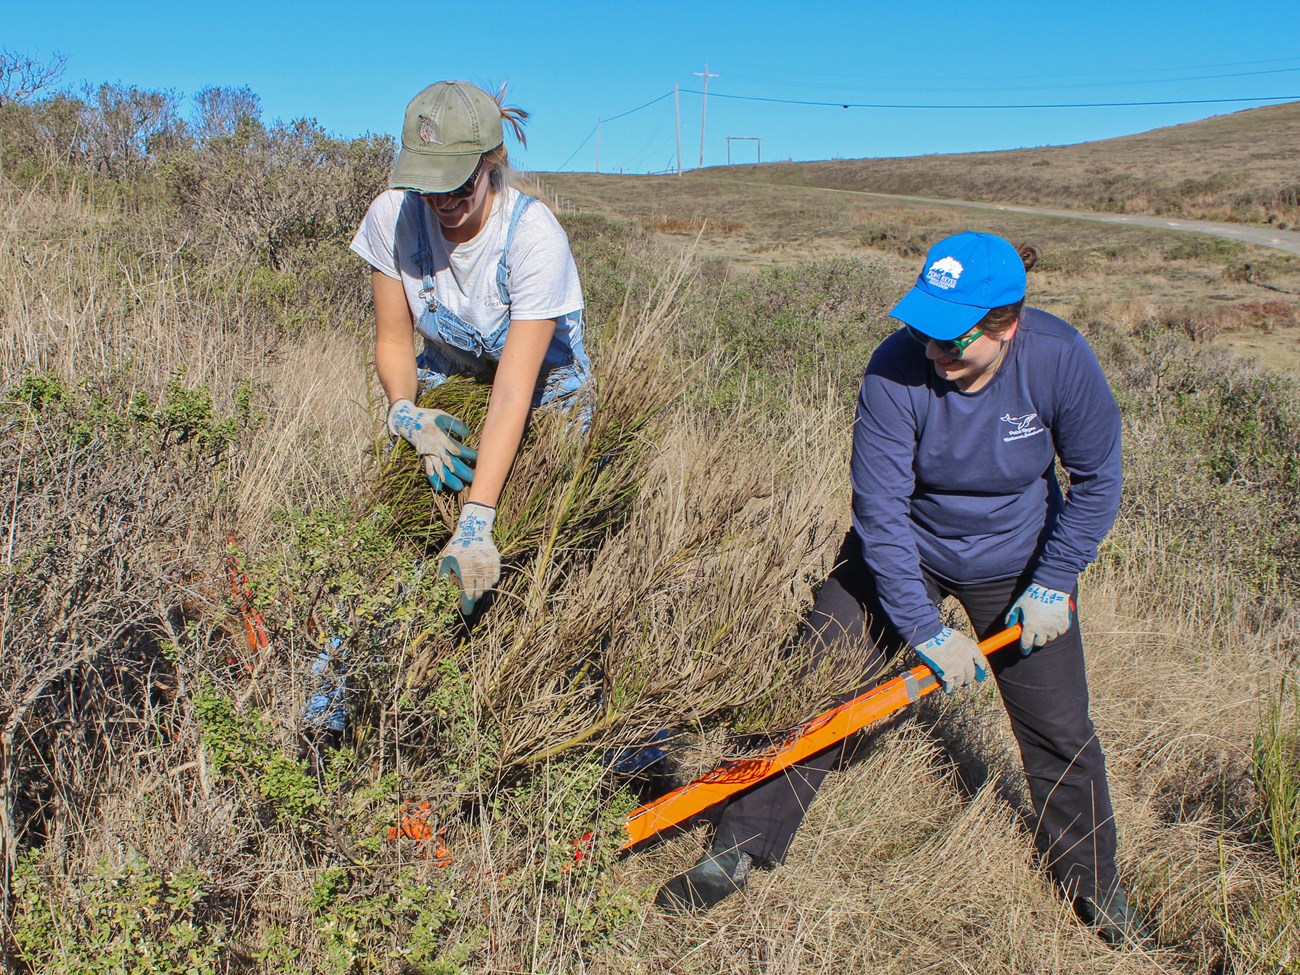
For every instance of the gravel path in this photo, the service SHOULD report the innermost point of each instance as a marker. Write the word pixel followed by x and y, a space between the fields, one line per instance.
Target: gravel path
pixel 1282 240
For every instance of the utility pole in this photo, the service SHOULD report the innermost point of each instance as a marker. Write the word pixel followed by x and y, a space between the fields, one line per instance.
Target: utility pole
pixel 677 105
pixel 598 146
pixel 704 106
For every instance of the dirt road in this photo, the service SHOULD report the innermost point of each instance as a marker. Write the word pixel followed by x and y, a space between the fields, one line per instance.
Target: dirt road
pixel 1282 240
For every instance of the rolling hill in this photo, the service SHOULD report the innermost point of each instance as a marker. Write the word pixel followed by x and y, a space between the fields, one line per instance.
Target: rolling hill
pixel 1238 167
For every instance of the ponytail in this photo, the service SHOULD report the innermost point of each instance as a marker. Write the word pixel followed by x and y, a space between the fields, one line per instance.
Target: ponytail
pixel 998 320
pixel 514 117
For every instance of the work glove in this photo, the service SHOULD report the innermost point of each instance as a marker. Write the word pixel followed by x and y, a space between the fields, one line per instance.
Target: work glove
pixel 436 437
pixel 954 657
pixel 471 556
pixel 1043 614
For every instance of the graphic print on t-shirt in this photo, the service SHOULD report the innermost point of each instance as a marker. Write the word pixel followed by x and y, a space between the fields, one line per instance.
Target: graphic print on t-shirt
pixel 1022 427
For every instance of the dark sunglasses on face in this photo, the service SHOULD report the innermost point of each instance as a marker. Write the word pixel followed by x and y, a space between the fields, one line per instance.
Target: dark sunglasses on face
pixel 952 348
pixel 466 188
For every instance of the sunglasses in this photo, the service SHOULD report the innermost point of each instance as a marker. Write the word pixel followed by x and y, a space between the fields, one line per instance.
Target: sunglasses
pixel 952 348
pixel 466 188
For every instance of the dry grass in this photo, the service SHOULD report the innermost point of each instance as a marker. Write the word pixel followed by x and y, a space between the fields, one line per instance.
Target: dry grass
pixel 92 291
pixel 666 224
pixel 656 570
pixel 1210 290
pixel 1178 654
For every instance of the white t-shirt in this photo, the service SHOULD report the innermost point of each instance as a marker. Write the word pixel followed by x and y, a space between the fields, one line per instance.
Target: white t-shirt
pixel 543 280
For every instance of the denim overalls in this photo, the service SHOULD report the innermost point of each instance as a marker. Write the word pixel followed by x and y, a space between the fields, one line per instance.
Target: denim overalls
pixel 452 346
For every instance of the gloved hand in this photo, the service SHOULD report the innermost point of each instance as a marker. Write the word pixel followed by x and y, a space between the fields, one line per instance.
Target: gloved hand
pixel 436 437
pixel 1043 614
pixel 471 556
pixel 954 657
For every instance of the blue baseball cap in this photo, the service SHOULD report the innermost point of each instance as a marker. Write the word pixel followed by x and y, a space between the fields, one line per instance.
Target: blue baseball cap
pixel 964 276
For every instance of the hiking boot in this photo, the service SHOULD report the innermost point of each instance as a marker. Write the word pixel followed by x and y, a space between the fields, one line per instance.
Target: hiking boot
pixel 1115 922
pixel 717 874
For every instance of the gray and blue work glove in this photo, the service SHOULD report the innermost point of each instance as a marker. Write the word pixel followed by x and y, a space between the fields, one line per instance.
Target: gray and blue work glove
pixel 954 657
pixel 471 555
pixel 437 437
pixel 1043 615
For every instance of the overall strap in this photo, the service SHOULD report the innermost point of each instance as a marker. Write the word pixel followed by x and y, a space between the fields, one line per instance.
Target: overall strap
pixel 503 272
pixel 426 250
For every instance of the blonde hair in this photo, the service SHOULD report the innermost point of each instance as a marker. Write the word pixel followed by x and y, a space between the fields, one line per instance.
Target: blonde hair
pixel 502 173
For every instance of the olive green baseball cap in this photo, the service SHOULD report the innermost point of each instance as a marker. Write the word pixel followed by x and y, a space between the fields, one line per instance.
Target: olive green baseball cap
pixel 448 127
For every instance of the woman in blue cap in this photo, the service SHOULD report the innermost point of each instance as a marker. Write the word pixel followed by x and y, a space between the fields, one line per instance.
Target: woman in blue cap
pixel 962 417
pixel 487 281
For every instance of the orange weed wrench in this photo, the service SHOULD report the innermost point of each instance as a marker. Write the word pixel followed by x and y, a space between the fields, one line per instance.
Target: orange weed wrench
pixel 821 732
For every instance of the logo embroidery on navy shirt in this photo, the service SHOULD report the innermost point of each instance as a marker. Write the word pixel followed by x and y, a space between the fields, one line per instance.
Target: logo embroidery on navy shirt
pixel 1022 427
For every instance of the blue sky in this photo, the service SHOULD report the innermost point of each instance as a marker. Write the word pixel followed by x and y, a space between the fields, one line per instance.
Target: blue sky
pixel 572 64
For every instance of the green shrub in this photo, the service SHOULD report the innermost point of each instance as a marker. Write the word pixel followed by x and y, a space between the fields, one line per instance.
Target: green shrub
pixel 1265 935
pixel 364 927
pixel 1275 760
pixel 788 328
pixel 617 262
pixel 1203 247
pixel 342 574
pixel 107 408
pixel 120 920
pixel 241 746
pixel 571 810
pixel 468 749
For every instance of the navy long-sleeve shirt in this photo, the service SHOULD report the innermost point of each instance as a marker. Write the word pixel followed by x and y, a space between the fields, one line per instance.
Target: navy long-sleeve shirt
pixel 964 484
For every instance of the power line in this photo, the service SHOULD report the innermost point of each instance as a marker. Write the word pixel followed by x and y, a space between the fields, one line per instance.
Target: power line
pixel 975 108
pixel 599 121
pixel 815 79
pixel 560 168
pixel 969 88
pixel 939 107
pixel 638 108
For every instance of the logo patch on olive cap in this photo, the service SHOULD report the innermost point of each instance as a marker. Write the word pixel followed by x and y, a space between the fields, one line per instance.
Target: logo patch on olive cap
pixel 427 133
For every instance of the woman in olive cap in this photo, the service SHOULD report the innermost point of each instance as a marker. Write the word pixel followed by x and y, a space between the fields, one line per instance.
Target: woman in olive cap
pixel 487 280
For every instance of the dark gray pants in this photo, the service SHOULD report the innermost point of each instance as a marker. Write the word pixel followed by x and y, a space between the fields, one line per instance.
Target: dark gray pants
pixel 1046 697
